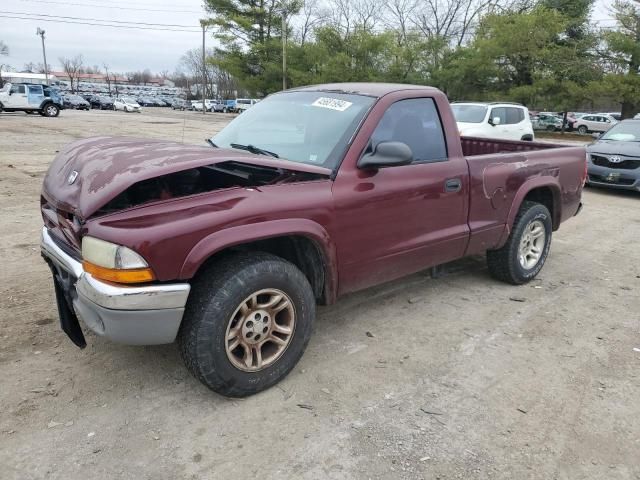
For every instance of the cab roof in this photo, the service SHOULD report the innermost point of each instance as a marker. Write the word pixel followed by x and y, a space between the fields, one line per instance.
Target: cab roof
pixel 363 88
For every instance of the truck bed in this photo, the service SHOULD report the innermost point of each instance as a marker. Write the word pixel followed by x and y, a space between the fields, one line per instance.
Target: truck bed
pixel 472 146
pixel 501 171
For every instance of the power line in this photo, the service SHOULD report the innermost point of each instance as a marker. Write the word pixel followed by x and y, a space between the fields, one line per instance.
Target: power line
pixel 113 7
pixel 56 17
pixel 131 27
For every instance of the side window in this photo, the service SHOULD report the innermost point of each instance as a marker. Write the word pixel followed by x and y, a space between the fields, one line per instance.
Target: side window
pixel 501 113
pixel 18 89
pixel 35 90
pixel 415 122
pixel 514 115
pixel 587 118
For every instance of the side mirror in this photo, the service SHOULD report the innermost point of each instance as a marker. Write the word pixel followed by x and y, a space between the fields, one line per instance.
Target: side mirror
pixel 596 135
pixel 10 92
pixel 387 154
pixel 495 121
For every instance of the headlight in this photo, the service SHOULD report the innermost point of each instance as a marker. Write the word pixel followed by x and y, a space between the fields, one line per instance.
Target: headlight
pixel 114 263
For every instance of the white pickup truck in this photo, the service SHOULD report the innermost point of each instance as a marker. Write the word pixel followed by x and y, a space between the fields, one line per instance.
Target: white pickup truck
pixel 26 97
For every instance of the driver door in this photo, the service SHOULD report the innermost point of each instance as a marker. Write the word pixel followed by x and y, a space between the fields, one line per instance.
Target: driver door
pixel 398 220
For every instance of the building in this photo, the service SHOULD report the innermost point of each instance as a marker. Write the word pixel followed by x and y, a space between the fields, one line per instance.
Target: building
pixel 22 77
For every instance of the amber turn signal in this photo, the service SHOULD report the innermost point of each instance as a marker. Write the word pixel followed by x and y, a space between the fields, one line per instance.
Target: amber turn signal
pixel 134 275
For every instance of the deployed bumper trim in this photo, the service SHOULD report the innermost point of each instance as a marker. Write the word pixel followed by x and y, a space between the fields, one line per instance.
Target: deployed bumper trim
pixel 141 315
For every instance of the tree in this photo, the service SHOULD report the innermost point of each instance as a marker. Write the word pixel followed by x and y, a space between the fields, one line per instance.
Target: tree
pixel 72 67
pixel 250 32
pixel 621 49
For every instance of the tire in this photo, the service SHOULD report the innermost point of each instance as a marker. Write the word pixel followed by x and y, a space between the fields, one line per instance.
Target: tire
pixel 583 130
pixel 505 263
pixel 551 128
pixel 213 312
pixel 51 110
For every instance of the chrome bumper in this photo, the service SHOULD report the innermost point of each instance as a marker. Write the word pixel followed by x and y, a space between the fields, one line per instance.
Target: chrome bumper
pixel 138 315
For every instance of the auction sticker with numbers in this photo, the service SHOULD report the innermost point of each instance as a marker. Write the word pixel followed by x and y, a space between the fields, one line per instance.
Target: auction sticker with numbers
pixel 332 103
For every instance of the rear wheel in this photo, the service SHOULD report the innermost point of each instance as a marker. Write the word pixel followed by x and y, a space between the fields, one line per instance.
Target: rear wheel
pixel 247 323
pixel 527 248
pixel 51 110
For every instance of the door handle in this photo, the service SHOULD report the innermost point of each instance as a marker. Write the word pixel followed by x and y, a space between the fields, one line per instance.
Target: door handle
pixel 453 185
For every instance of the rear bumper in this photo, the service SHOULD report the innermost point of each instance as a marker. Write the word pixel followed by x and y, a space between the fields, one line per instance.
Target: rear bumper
pixel 135 315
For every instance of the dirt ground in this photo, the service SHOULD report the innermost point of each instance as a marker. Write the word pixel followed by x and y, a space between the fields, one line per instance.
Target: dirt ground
pixel 461 377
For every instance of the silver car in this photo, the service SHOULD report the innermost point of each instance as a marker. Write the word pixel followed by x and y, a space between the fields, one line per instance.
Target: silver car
pixel 594 123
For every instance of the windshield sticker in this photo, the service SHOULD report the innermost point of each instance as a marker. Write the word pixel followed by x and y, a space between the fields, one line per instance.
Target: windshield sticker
pixel 332 103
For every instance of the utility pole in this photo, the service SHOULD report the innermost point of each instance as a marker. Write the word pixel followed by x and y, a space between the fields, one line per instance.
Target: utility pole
pixel 44 54
pixel 284 49
pixel 203 23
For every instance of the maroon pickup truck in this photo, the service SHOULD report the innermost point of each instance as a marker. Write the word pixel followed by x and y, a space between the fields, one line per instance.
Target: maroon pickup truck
pixel 312 193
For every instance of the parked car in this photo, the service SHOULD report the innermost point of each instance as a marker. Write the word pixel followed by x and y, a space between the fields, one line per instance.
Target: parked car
pixel 615 115
pixel 75 102
pixel 313 193
pixel 30 98
pixel 101 102
pixel 506 121
pixel 594 123
pixel 145 101
pixel 614 158
pixel 243 104
pixel 179 104
pixel 127 104
pixel 231 105
pixel 218 106
pixel 547 122
pixel 196 105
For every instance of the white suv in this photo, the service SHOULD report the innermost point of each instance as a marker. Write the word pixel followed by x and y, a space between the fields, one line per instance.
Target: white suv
pixel 505 121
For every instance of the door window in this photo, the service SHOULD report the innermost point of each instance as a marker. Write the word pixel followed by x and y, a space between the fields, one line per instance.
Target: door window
pixel 416 123
pixel 501 113
pixel 514 115
pixel 35 90
pixel 18 89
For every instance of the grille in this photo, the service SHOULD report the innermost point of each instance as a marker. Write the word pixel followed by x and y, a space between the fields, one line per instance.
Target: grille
pixel 617 181
pixel 603 161
pixel 61 225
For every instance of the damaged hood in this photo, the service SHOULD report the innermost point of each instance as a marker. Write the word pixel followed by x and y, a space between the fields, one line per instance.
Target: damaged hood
pixel 87 174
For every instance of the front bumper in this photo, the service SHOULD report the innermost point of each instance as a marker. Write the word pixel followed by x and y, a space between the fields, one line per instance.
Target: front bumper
pixel 613 178
pixel 133 315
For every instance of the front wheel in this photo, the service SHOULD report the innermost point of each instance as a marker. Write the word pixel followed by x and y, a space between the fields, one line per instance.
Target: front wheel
pixel 247 323
pixel 582 129
pixel 527 248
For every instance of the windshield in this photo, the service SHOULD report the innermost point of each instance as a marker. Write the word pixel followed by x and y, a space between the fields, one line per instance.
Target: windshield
pixel 469 113
pixel 305 127
pixel 623 132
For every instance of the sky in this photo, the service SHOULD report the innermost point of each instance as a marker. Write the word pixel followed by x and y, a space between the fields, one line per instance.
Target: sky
pixel 122 49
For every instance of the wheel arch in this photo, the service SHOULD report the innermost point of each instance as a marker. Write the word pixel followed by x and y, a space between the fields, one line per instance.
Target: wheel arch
pixel 540 190
pixel 303 242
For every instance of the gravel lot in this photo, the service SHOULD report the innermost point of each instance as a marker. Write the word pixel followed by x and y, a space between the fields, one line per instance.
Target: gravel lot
pixel 459 377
